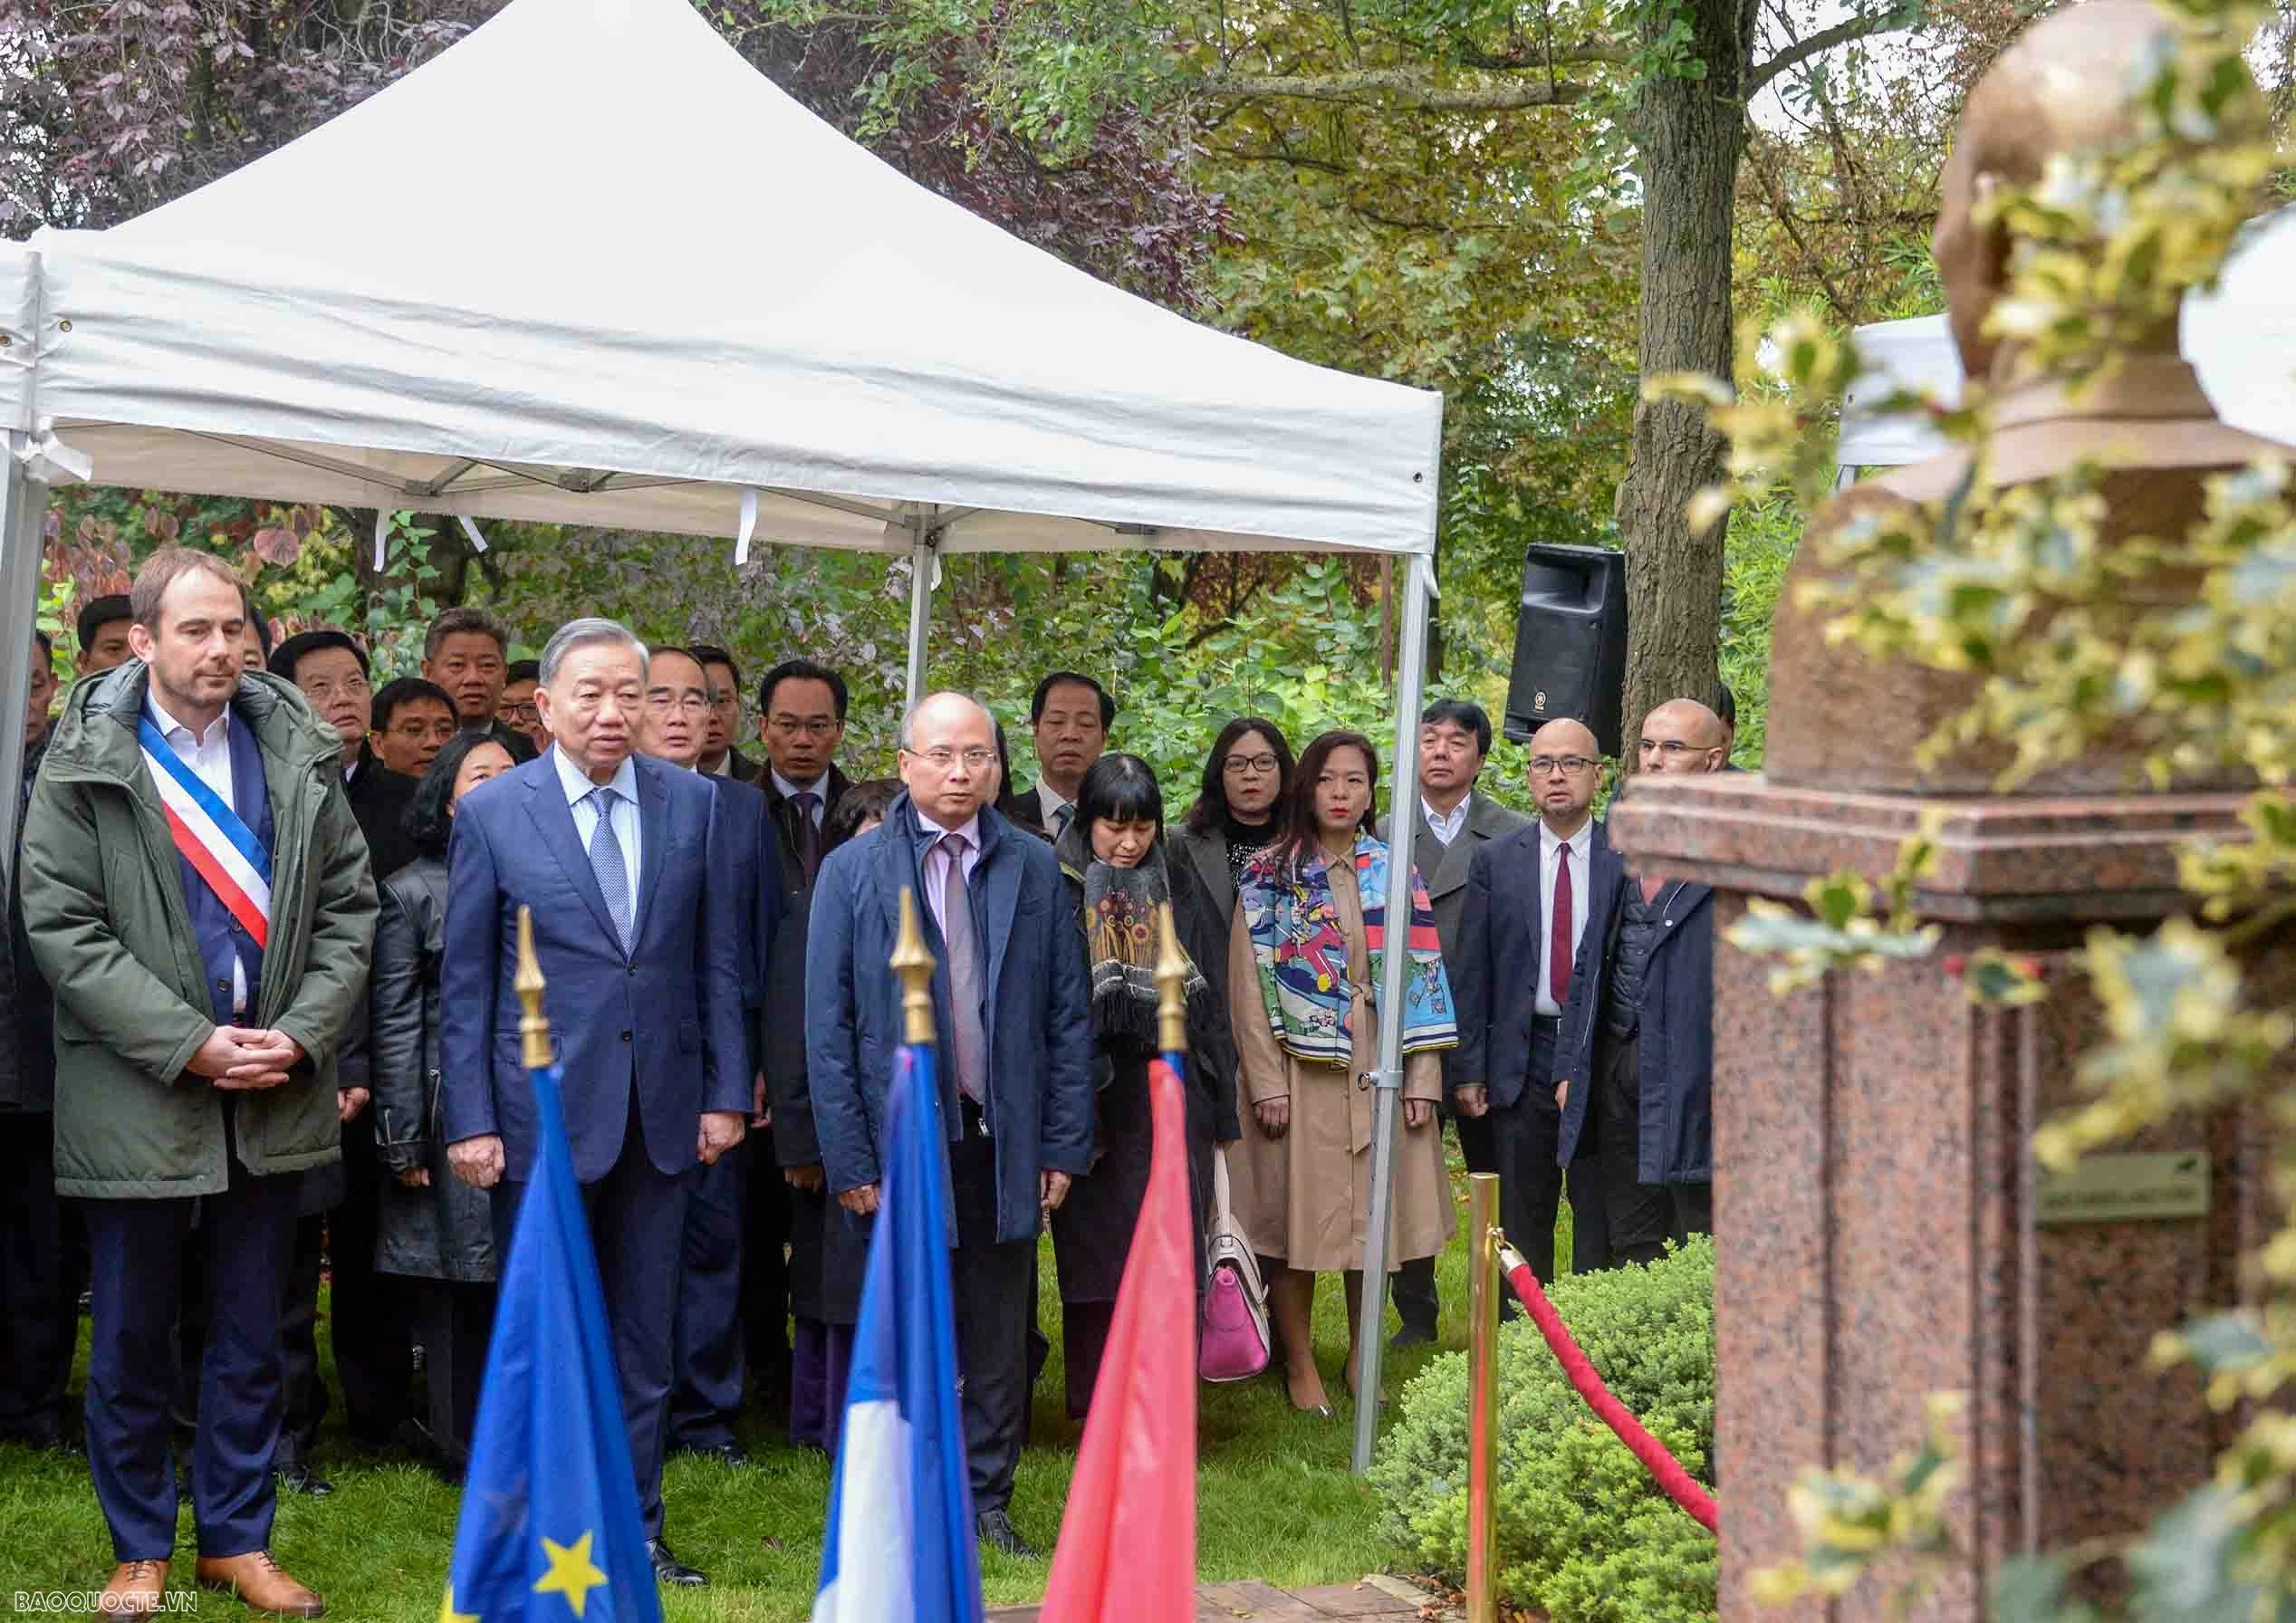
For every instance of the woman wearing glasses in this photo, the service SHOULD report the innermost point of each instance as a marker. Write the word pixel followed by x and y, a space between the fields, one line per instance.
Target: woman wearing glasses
pixel 1245 776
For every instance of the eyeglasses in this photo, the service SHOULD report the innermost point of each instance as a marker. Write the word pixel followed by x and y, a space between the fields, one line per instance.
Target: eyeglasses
pixel 662 700
pixel 1546 765
pixel 1240 763
pixel 414 727
pixel 524 712
pixel 819 727
pixel 941 760
pixel 319 693
pixel 1670 747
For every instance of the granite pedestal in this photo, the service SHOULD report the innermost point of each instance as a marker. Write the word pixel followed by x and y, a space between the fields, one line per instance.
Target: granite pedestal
pixel 1876 1201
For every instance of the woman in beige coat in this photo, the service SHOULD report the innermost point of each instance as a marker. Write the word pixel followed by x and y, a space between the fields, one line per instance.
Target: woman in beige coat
pixel 1305 967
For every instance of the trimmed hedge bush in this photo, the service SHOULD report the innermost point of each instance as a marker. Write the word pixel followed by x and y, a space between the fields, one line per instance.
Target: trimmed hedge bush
pixel 1584 1534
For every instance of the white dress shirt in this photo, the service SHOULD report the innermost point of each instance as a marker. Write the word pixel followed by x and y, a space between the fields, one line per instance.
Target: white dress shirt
pixel 1448 825
pixel 1049 800
pixel 578 786
pixel 937 862
pixel 817 789
pixel 209 758
pixel 1575 850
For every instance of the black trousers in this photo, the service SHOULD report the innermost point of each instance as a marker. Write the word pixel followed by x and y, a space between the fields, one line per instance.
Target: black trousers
pixel 245 1238
pixel 1642 1217
pixel 372 1314
pixel 706 1393
pixel 455 1318
pixel 993 1279
pixel 39 1305
pixel 637 1214
pixel 307 1393
pixel 765 1274
pixel 1525 1138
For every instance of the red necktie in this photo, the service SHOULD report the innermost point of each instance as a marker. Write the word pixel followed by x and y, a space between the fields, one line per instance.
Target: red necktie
pixel 1559 938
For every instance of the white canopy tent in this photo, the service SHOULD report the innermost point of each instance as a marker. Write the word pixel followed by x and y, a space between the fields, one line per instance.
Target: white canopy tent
pixel 588 266
pixel 2241 338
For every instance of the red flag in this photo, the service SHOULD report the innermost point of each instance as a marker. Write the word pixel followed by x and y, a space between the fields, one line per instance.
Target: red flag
pixel 1128 1542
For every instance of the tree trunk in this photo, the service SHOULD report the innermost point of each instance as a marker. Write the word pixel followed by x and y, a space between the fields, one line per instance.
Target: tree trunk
pixel 1689 133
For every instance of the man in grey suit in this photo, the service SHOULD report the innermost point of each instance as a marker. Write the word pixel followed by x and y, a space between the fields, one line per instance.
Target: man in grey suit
pixel 1454 822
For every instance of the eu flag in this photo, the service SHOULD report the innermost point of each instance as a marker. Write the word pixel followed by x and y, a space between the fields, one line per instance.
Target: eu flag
pixel 549 1529
pixel 899 1543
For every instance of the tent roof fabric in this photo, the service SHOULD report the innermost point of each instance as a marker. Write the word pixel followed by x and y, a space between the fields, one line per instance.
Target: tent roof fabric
pixel 588 266
pixel 2240 337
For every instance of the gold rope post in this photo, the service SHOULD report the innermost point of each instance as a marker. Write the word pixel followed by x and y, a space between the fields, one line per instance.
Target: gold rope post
pixel 1171 979
pixel 1483 1239
pixel 912 960
pixel 534 1026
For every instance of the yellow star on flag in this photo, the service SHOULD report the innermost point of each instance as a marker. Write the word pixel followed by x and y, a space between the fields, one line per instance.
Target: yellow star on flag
pixel 446 1612
pixel 571 1573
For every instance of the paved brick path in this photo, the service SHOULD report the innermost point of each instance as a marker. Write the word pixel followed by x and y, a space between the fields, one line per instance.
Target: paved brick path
pixel 1376 1599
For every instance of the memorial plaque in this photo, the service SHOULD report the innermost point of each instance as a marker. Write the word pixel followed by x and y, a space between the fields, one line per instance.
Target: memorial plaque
pixel 2127 1188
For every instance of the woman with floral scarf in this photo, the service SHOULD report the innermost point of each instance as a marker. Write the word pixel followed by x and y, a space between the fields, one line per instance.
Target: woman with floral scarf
pixel 1309 939
pixel 1114 857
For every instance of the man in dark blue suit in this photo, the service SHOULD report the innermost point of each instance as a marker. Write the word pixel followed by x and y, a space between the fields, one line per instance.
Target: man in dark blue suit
pixel 1636 1069
pixel 1520 930
pixel 705 1391
pixel 1017 1060
pixel 612 851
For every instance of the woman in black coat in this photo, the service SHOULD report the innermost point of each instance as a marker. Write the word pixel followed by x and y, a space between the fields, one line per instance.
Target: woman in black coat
pixel 828 1245
pixel 1115 858
pixel 433 1226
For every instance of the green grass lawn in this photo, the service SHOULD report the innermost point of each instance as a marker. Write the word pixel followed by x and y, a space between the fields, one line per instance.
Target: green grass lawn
pixel 1274 1500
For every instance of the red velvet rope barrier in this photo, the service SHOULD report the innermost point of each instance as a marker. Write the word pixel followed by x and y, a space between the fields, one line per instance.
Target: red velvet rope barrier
pixel 1679 1484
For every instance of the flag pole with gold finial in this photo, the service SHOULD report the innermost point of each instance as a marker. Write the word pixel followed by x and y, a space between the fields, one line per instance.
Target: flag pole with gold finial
pixel 913 961
pixel 1171 979
pixel 533 1027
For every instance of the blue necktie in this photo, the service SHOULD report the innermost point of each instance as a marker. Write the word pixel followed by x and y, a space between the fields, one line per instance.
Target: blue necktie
pixel 607 861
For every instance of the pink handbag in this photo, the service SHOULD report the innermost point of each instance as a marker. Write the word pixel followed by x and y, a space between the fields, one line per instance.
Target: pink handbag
pixel 1234 1342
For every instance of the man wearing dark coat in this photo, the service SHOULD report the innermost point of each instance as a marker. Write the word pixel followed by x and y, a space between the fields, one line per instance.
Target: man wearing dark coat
pixel 1512 961
pixel 1635 1060
pixel 612 852
pixel 1016 1067
pixel 1455 822
pixel 193 886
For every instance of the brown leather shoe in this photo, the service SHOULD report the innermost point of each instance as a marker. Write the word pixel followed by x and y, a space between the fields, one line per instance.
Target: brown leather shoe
pixel 261 1584
pixel 135 1590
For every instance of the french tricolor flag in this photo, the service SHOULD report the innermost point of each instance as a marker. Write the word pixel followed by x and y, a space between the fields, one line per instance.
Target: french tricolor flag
pixel 210 836
pixel 899 1543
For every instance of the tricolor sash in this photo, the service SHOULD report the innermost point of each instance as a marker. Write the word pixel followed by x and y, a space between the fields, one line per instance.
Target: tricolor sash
pixel 209 835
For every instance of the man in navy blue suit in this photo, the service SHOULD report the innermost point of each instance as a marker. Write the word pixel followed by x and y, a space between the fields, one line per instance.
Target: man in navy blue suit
pixel 705 1391
pixel 1529 897
pixel 1017 1060
pixel 612 852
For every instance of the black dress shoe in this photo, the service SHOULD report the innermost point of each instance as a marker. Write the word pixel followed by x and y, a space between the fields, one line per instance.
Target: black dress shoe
pixel 670 1570
pixel 724 1454
pixel 998 1532
pixel 1410 1335
pixel 296 1476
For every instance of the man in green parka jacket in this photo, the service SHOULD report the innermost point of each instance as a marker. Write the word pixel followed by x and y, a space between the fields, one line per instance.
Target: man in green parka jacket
pixel 197 891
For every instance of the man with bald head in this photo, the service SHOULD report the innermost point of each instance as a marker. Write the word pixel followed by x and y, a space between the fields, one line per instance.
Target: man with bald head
pixel 1511 965
pixel 1017 1065
pixel 1635 1079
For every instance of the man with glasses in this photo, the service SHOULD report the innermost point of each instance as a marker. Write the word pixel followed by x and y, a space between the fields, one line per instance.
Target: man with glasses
pixel 708 1366
pixel 800 720
pixel 720 759
pixel 1524 915
pixel 413 721
pixel 1636 1058
pixel 517 710
pixel 1017 1064
pixel 1455 822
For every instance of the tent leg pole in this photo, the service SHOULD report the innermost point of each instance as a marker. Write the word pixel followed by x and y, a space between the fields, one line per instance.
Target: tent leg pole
pixel 23 511
pixel 1410 684
pixel 920 602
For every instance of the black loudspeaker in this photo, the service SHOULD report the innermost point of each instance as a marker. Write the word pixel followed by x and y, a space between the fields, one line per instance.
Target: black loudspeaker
pixel 1570 643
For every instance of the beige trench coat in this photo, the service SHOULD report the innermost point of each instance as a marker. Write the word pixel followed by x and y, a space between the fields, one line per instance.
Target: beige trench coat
pixel 1306 1197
